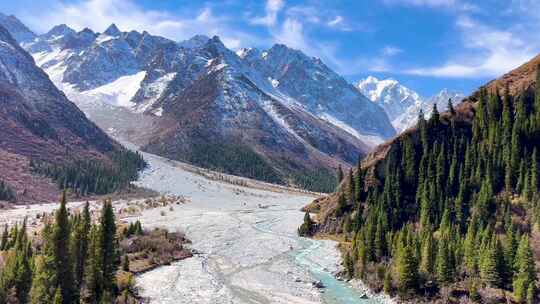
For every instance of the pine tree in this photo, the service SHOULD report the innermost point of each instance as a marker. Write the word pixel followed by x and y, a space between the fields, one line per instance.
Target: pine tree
pixel 534 173
pixel 444 269
pixel 108 247
pixel 435 117
pixel 93 276
pixel 307 227
pixel 61 254
pixel 352 191
pixel 427 262
pixel 451 107
pixel 489 271
pixel 358 186
pixel 537 100
pixel 342 205
pixel 348 264
pixel 4 241
pixel 407 268
pixel 125 263
pixel 339 174
pixel 44 280
pixel 80 244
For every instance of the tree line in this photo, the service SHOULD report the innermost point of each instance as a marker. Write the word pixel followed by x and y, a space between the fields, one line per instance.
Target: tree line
pixel 6 192
pixel 457 203
pixel 93 176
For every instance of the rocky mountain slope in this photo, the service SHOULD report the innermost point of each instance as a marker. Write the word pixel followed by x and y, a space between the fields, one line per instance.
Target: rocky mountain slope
pixel 517 80
pixel 38 123
pixel 16 28
pixel 286 113
pixel 403 104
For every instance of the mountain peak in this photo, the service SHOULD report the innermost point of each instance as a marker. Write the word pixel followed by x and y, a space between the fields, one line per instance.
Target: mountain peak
pixel 16 28
pixel 248 53
pixel 371 79
pixel 112 30
pixel 196 41
pixel 60 30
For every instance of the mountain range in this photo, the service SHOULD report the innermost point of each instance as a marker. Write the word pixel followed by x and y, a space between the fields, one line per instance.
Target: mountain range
pixel 403 105
pixel 275 114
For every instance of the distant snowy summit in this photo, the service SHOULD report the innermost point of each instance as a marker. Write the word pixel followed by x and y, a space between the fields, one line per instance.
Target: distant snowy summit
pixel 401 104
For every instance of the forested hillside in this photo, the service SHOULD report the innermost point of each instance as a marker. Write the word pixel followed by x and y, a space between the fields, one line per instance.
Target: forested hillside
pixel 450 209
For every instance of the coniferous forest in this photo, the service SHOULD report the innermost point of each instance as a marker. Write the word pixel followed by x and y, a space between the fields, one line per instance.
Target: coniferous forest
pixel 6 193
pixel 73 259
pixel 94 177
pixel 453 209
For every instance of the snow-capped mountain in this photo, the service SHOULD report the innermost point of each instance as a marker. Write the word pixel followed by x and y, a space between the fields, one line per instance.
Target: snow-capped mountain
pixel 402 104
pixel 287 111
pixel 319 90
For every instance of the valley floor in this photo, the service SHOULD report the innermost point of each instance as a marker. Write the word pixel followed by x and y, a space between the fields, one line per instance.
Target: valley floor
pixel 246 238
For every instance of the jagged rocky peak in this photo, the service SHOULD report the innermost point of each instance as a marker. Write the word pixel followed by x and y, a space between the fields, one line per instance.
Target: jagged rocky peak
pixel 248 53
pixel 112 31
pixel 59 30
pixel 16 28
pixel 196 41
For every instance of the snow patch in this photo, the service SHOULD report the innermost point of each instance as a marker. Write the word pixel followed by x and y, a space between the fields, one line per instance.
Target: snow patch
pixel 104 38
pixel 119 92
pixel 274 82
pixel 370 140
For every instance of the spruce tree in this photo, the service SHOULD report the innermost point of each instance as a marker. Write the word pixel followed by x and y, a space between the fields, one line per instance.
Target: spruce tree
pixel 339 174
pixel 407 268
pixel 4 241
pixel 489 271
pixel 427 262
pixel 61 253
pixel 80 244
pixel 108 247
pixel 44 280
pixel 351 185
pixel 93 276
pixel 444 268
pixel 451 107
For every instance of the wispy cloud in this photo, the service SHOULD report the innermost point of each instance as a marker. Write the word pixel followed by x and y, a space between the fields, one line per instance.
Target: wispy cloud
pixel 459 5
pixel 390 50
pixel 488 52
pixel 128 15
pixel 335 22
pixel 272 9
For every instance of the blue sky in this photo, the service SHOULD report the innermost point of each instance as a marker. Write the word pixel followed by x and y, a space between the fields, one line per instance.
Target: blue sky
pixel 426 44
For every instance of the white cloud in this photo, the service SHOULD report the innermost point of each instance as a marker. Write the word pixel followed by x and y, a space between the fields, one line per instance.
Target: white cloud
pixel 432 3
pixel 390 51
pixel 459 5
pixel 272 9
pixel 336 21
pixel 291 33
pixel 127 15
pixel 488 52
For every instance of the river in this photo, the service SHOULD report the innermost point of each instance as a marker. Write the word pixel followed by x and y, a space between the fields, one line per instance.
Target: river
pixel 249 251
